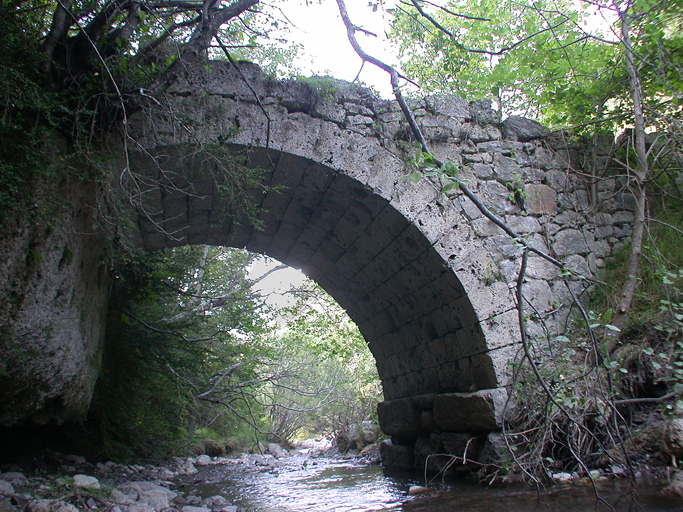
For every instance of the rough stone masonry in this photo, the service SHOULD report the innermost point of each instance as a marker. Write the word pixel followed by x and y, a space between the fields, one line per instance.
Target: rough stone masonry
pixel 427 279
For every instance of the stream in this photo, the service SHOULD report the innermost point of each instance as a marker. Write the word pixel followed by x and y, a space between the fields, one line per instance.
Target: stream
pixel 301 483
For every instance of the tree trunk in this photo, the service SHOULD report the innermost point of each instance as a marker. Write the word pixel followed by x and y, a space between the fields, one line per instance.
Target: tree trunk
pixel 637 185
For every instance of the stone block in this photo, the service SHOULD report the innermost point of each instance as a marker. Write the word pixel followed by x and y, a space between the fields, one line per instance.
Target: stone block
pixel 460 444
pixel 482 171
pixel 495 449
pixel 538 293
pixel 397 456
pixel 578 264
pixel 570 241
pixel 450 106
pixel 523 225
pixel 541 200
pixel 522 129
pixel 470 412
pixel 401 418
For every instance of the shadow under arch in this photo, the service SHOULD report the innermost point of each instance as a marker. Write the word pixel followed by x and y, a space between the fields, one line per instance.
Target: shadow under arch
pixel 409 305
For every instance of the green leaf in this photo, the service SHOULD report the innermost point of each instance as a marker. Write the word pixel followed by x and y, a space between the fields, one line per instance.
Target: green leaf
pixel 415 177
pixel 449 186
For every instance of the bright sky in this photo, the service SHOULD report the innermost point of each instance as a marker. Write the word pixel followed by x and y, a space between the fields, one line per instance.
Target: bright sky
pixel 274 286
pixel 327 51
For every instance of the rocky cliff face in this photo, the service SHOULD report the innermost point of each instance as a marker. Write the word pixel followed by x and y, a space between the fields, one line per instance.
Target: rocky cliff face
pixel 53 297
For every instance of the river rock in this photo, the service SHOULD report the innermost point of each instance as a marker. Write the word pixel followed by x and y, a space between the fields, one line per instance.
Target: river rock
pixel 15 478
pixel 6 488
pixel 147 493
pixel 86 482
pixel 50 506
pixel 216 503
pixel 120 498
pixel 189 508
pixel 187 468
pixel 203 460
pixel 277 450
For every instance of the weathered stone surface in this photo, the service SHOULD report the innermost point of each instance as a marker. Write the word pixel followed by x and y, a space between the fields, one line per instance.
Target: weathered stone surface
pixel 54 291
pixel 522 129
pixel 462 412
pixel 6 488
pixel 396 456
pixel 86 482
pixel 460 444
pixel 400 418
pixel 147 493
pixel 428 288
pixel 541 199
pixel 495 449
pixel 482 112
pixel 570 241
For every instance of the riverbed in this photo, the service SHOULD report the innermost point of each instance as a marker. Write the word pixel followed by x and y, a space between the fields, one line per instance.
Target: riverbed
pixel 300 483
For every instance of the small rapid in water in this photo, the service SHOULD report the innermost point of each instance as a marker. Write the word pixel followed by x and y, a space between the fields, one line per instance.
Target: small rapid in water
pixel 303 483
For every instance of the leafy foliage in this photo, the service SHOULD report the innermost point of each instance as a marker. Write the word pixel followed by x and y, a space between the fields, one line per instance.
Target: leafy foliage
pixel 546 60
pixel 318 332
pixel 200 359
pixel 176 318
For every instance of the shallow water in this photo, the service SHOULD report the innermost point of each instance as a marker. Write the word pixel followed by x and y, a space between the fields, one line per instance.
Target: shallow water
pixel 300 484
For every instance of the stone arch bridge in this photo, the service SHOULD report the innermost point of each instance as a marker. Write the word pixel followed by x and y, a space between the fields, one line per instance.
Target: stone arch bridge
pixel 427 279
pixel 424 275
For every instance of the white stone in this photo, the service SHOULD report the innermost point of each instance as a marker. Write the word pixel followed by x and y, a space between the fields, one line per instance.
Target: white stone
pixel 6 488
pixel 203 460
pixel 562 477
pixel 147 493
pixel 62 506
pixel 277 450
pixel 15 478
pixel 189 508
pixel 86 482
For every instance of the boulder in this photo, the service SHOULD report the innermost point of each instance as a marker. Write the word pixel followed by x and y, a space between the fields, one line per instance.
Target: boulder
pixel 203 460
pixel 6 488
pixel 54 291
pixel 523 129
pixel 277 450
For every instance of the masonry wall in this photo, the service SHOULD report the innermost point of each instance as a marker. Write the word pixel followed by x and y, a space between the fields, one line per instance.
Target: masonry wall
pixel 427 278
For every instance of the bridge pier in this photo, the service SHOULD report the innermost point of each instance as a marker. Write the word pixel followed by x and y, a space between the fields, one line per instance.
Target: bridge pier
pixel 464 425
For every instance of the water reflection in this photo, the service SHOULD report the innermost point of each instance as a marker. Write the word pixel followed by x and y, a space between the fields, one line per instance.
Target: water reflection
pixel 298 484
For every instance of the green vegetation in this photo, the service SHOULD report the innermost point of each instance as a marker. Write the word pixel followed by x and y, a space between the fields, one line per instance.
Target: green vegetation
pixel 205 366
pixel 325 87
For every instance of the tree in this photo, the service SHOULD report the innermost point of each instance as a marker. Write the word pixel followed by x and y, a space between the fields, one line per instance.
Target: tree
pixel 177 319
pixel 317 332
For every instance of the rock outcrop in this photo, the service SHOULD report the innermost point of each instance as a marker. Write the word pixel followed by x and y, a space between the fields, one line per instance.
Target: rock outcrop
pixel 53 291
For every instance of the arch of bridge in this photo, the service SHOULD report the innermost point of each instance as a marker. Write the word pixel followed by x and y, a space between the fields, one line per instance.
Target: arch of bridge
pixel 401 258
